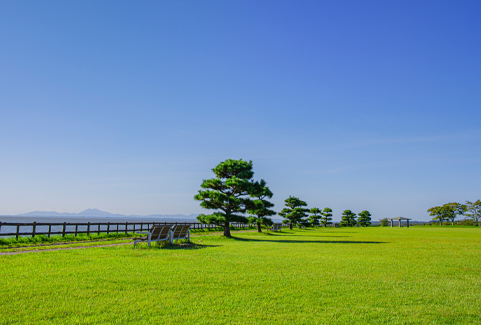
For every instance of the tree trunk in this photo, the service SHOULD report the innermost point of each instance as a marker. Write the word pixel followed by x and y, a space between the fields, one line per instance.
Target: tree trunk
pixel 440 222
pixel 259 227
pixel 290 225
pixel 227 229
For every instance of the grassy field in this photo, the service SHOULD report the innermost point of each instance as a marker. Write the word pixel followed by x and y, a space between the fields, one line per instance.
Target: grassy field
pixel 417 275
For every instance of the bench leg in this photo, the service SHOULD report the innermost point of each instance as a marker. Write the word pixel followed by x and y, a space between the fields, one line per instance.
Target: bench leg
pixel 149 244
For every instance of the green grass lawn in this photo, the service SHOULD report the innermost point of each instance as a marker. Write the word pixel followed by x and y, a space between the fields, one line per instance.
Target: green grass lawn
pixel 421 275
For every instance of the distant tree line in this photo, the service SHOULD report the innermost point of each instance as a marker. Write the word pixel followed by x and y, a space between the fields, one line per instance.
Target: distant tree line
pixel 233 192
pixel 296 213
pixel 450 211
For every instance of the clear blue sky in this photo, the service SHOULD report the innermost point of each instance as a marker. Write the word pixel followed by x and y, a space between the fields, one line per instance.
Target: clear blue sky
pixel 125 106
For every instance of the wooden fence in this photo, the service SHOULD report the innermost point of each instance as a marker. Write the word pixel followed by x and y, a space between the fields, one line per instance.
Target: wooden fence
pixel 88 228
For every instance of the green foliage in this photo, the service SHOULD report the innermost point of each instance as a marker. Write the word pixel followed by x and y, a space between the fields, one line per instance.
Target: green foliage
pixel 260 208
pixel 326 217
pixel 364 219
pixel 465 222
pixel 448 211
pixel 42 239
pixel 227 194
pixel 384 222
pixel 303 223
pixel 438 213
pixel 316 214
pixel 474 210
pixel 294 211
pixel 458 209
pixel 348 219
pixel 260 221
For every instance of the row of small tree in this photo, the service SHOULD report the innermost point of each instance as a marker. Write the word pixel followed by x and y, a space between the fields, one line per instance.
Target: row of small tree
pixel 295 213
pixel 349 219
pixel 233 192
pixel 450 211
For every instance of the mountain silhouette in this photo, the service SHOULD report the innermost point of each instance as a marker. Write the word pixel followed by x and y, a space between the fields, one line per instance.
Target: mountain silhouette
pixel 102 214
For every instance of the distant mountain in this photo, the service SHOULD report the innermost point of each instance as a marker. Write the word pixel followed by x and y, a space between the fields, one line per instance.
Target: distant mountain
pixel 102 214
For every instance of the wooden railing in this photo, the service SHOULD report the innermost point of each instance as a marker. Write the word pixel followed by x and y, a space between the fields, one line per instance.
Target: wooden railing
pixel 66 228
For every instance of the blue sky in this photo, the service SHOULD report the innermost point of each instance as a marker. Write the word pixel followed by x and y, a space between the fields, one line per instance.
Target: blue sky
pixel 126 106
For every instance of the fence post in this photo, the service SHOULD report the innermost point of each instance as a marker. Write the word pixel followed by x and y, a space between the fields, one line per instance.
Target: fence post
pixel 34 228
pixel 126 226
pixel 141 226
pixel 98 228
pixel 76 230
pixel 88 228
pixel 117 229
pixel 133 231
pixel 63 230
pixel 49 230
pixel 108 228
pixel 18 231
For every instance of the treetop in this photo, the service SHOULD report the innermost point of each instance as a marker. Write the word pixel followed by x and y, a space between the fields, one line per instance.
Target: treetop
pixel 294 202
pixel 229 168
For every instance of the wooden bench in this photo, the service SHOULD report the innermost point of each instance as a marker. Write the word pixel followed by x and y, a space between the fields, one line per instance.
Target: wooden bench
pixel 276 227
pixel 180 232
pixel 156 233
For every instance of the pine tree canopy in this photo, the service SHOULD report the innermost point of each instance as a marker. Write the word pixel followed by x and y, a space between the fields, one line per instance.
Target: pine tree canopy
pixel 348 219
pixel 326 217
pixel 259 209
pixel 364 218
pixel 316 214
pixel 294 212
pixel 228 194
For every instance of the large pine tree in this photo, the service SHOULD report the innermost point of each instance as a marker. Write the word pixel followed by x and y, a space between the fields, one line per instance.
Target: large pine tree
pixel 228 194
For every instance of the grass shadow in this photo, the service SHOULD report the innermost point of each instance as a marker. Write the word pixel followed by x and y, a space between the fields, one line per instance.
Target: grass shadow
pixel 176 246
pixel 284 233
pixel 309 241
pixel 310 236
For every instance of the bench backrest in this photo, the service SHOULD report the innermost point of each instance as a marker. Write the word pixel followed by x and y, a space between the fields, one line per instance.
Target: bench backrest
pixel 180 231
pixel 160 231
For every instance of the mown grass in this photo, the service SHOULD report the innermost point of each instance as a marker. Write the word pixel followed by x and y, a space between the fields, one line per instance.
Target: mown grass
pixel 43 239
pixel 418 275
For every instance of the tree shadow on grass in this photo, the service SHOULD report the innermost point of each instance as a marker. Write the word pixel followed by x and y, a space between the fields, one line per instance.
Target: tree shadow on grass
pixel 175 246
pixel 309 241
pixel 274 234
